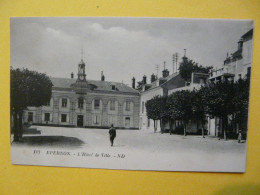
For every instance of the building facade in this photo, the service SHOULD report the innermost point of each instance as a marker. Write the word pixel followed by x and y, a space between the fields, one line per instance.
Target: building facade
pixel 236 66
pixel 164 86
pixel 88 103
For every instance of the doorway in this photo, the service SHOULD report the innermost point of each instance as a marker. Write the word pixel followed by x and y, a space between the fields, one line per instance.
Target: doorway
pixel 127 122
pixel 80 121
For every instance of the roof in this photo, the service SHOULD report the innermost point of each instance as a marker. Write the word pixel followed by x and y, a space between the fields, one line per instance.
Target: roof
pixel 237 54
pixel 174 81
pixel 248 34
pixel 154 84
pixel 65 83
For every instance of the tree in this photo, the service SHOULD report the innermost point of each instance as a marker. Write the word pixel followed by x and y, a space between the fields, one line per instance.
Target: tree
pixel 218 101
pixel 188 66
pixel 198 109
pixel 179 105
pixel 155 110
pixel 202 69
pixel 241 102
pixel 28 88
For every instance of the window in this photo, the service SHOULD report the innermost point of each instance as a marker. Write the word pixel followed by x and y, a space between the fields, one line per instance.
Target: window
pixel 142 107
pixel 48 103
pixel 30 116
pixel 80 103
pixel 128 106
pixel 112 105
pixel 96 120
pixel 148 122
pixel 63 118
pixel 113 87
pixel 97 104
pixel 112 119
pixel 47 117
pixel 64 102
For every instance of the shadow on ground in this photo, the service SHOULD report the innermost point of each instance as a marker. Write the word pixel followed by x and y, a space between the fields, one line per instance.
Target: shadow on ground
pixel 56 141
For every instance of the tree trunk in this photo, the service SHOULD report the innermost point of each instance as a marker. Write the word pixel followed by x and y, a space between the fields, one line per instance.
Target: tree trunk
pixel 184 128
pixel 161 124
pixel 224 126
pixel 198 123
pixel 170 123
pixel 202 128
pixel 20 125
pixel 16 132
pixel 154 126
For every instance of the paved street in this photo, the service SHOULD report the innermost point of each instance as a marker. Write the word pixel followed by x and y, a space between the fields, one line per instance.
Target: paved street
pixel 144 149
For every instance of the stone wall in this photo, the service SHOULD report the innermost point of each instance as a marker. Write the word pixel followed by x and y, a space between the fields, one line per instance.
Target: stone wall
pixel 90 114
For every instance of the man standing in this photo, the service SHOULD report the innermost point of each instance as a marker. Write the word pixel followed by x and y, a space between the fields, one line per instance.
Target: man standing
pixel 112 134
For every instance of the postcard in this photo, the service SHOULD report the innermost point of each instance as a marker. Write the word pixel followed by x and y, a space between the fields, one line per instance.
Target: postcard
pixel 161 94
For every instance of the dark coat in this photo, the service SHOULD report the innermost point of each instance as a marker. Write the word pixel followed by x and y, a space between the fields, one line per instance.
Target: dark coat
pixel 112 132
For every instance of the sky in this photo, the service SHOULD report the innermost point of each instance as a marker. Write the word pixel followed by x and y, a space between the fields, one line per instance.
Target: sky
pixel 121 47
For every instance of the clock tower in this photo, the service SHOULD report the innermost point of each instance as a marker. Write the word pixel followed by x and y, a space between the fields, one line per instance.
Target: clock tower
pixel 81 71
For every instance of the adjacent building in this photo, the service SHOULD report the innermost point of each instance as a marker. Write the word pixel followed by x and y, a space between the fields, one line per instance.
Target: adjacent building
pixel 163 86
pixel 236 66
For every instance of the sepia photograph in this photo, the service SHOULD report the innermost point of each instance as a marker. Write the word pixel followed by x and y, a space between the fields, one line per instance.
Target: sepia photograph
pixel 161 94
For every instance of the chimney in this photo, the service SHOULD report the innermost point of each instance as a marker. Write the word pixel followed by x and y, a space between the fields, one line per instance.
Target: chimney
pixel 165 73
pixel 240 44
pixel 102 76
pixel 144 79
pixel 133 83
pixel 72 75
pixel 153 78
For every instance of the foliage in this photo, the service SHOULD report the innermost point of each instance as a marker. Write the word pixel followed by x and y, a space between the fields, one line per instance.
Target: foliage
pixel 179 105
pixel 198 109
pixel 218 98
pixel 202 69
pixel 28 88
pixel 155 108
pixel 225 98
pixel 222 99
pixel 241 102
pixel 188 66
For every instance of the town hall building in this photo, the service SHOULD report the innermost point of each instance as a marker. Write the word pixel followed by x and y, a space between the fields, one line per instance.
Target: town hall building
pixel 88 103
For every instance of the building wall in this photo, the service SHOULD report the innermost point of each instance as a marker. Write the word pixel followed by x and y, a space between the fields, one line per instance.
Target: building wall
pixel 190 88
pixel 145 123
pixel 237 67
pixel 103 116
pixel 247 54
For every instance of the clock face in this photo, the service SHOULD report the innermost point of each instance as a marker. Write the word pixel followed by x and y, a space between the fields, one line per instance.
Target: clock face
pixel 81 77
